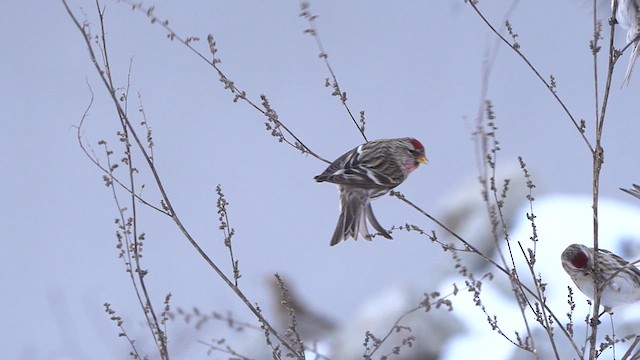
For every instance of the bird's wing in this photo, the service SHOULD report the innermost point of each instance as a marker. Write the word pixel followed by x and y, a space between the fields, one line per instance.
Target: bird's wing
pixel 623 262
pixel 635 191
pixel 349 169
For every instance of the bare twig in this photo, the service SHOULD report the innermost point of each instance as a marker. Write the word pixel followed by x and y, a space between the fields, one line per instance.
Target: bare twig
pixel 516 48
pixel 426 305
pixel 470 248
pixel 273 122
pixel 305 12
pixel 130 132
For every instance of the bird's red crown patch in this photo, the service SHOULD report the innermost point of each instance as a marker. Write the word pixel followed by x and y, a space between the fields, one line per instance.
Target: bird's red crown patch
pixel 416 144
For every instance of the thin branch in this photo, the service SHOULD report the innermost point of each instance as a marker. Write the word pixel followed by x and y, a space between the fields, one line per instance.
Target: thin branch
pixel 551 88
pixel 313 31
pixel 473 249
pixel 165 198
pixel 228 84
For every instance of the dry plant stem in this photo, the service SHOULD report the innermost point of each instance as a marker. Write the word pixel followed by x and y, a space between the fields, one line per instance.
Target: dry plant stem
pixel 545 316
pixel 544 319
pixel 122 220
pixel 285 300
pixel 473 249
pixel 471 283
pixel 215 346
pixel 313 31
pixel 598 158
pixel 238 93
pixel 426 304
pixel 201 319
pixel 485 161
pixel 86 148
pixel 228 231
pixel 595 50
pixel 160 337
pixel 596 150
pixel 534 70
pixel 105 77
pixel 292 331
pixel 515 278
pixel 115 317
pixel 146 306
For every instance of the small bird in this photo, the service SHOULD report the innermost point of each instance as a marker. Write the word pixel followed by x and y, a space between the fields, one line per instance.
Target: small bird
pixel 635 191
pixel 627 16
pixel 618 279
pixel 365 173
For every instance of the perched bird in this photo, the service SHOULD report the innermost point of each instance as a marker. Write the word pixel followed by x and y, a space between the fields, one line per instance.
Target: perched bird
pixel 627 16
pixel 365 173
pixel 633 192
pixel 618 279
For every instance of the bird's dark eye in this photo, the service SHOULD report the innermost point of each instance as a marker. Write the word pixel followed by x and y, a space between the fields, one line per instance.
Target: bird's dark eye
pixel 413 152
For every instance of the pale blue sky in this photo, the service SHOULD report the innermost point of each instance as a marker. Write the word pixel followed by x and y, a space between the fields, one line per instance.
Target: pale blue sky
pixel 414 67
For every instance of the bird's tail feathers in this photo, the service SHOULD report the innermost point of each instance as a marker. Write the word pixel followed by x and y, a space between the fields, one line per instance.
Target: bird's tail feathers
pixel 374 222
pixel 632 61
pixel 349 222
pixel 353 221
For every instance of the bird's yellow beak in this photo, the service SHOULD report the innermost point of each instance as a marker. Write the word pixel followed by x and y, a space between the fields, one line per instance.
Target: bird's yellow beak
pixel 423 159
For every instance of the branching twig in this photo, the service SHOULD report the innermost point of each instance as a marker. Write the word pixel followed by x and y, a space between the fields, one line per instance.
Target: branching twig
pixel 313 31
pixel 227 230
pixel 469 247
pixel 273 122
pixel 516 47
pixel 130 132
pixel 427 304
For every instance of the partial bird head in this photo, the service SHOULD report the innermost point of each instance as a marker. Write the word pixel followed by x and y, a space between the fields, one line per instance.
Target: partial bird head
pixel 617 281
pixel 411 153
pixel 577 258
